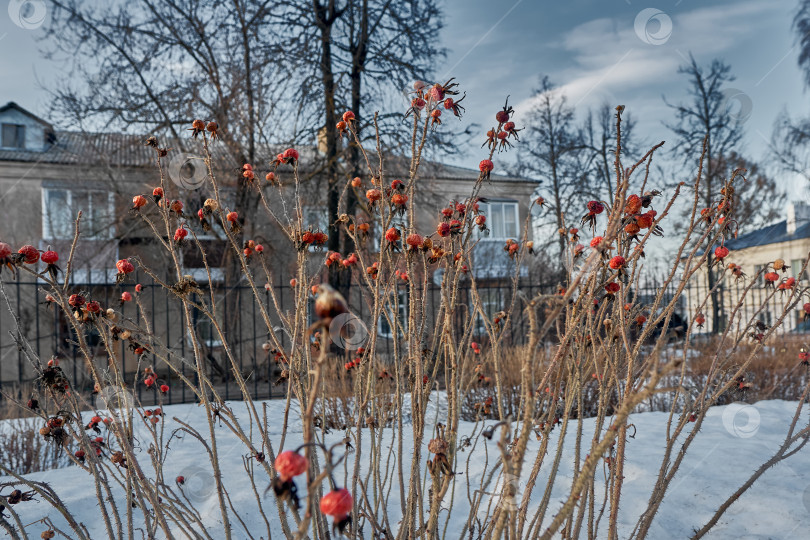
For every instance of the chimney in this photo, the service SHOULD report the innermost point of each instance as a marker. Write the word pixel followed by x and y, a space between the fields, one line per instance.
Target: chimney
pixel 798 214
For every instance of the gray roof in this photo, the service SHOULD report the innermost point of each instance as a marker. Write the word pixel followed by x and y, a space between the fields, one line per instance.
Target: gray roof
pixel 125 150
pixel 771 234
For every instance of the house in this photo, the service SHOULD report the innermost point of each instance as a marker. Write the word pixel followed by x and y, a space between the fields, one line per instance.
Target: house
pixel 48 175
pixel 754 252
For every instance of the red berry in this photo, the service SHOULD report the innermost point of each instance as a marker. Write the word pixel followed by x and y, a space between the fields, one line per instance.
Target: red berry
pixel 180 480
pixel 164 388
pixel 232 217
pixel 348 116
pixel 29 253
pixel 138 201
pixel 95 420
pixel 436 92
pixel 373 195
pixel 76 300
pixel 290 154
pixel 617 262
pixel 392 235
pixel 502 117
pixel 126 296
pixel 290 464
pixel 597 240
pixel 49 257
pixel 124 266
pixel 721 252
pixel 486 166
pixel 595 207
pixel 138 287
pixel 5 250
pixel 337 503
pixel 157 192
pixel 414 240
pixel 180 233
pixel 443 229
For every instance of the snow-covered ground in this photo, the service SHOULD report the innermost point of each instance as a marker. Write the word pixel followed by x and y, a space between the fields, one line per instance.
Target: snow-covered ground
pixel 733 442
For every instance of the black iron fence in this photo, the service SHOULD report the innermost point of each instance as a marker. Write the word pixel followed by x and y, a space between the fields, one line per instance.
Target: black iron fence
pixel 43 327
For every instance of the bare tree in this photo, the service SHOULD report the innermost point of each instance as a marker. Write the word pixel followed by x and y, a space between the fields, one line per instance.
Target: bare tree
pixel 706 121
pixel 552 153
pixel 269 72
pixel 791 135
pixel 599 131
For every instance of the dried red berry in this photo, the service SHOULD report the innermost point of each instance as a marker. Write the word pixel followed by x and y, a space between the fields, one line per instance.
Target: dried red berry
pixel 124 266
pixel 290 464
pixel 290 155
pixel 30 254
pixel 617 262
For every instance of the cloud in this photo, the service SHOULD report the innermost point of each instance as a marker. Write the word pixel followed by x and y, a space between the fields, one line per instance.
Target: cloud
pixel 608 59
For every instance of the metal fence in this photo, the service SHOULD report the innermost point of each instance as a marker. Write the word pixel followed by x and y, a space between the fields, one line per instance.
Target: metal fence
pixel 48 333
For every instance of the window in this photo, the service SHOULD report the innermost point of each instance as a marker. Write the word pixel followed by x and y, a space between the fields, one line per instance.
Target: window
pixel 796 267
pixel 492 300
pixel 60 209
pixel 759 277
pixel 502 220
pixel 13 136
pixel 398 303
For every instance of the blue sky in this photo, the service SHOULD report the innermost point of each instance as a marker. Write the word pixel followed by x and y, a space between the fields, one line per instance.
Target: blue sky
pixel 588 47
pixel 592 50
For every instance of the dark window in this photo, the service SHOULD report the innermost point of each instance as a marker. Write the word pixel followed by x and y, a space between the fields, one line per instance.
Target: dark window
pixel 13 136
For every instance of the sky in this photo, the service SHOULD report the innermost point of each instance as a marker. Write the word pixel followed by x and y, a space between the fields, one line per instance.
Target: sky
pixel 621 51
pixel 627 52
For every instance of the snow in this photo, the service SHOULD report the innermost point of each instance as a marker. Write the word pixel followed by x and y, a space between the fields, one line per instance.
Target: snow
pixel 734 440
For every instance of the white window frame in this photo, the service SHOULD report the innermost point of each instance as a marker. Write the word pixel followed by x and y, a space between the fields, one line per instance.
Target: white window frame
pixel 486 209
pixel 402 312
pixel 48 234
